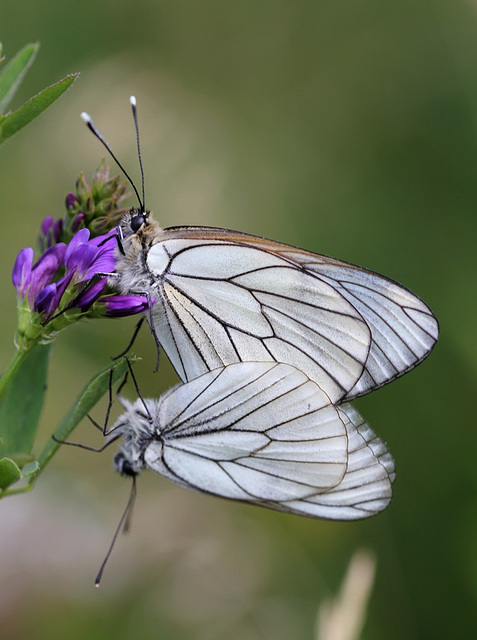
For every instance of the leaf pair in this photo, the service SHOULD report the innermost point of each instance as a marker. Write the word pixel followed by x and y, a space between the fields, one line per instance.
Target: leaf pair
pixel 11 77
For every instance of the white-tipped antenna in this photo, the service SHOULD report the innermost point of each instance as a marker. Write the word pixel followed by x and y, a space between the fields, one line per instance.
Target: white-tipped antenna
pixel 89 123
pixel 133 103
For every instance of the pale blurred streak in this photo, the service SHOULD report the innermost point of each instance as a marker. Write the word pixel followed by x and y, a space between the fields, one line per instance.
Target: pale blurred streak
pixel 343 617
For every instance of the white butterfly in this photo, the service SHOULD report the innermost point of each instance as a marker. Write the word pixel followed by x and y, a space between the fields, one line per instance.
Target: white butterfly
pixel 262 433
pixel 223 296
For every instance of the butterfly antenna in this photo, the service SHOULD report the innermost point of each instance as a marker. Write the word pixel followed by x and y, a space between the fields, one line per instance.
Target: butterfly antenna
pixel 124 520
pixel 89 123
pixel 133 102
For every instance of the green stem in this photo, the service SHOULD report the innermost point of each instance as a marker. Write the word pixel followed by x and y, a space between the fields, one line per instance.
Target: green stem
pixel 12 368
pixel 87 399
pixel 12 492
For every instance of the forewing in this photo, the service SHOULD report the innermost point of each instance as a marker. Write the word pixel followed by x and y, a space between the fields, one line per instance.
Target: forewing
pixel 308 331
pixel 221 302
pixel 257 432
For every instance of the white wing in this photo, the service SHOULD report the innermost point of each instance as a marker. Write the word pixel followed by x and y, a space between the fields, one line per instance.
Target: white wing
pixel 366 488
pixel 225 297
pixel 403 329
pixel 219 304
pixel 264 433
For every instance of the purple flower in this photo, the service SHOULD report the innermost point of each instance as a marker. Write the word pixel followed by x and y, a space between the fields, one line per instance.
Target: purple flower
pixel 78 221
pixel 21 274
pixel 58 230
pixel 81 258
pixel 45 270
pixel 71 201
pixel 46 225
pixel 90 257
pixel 51 232
pixel 72 276
pixel 84 300
pixel 104 261
pixel 77 247
pixel 125 305
pixel 47 300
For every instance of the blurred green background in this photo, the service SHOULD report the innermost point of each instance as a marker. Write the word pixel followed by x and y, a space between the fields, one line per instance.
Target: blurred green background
pixel 347 128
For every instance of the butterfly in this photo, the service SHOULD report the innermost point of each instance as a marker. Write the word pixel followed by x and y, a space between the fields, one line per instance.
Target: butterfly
pixel 223 297
pixel 261 433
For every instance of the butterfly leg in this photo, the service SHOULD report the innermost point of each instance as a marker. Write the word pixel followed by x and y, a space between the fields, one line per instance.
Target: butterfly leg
pixel 86 446
pixel 148 296
pixel 118 236
pixel 138 391
pixel 131 342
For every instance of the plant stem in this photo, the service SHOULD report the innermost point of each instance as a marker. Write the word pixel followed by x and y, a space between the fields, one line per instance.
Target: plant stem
pixel 12 368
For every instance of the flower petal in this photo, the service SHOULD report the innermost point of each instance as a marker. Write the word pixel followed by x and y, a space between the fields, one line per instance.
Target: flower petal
pixel 81 258
pixel 47 299
pixel 92 293
pixel 21 273
pixel 46 225
pixel 45 270
pixel 80 237
pixel 118 306
pixel 71 200
pixel 58 230
pixel 104 263
pixel 77 222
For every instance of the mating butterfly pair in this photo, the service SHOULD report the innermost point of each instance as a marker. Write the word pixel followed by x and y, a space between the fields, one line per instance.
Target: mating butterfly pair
pixel 271 343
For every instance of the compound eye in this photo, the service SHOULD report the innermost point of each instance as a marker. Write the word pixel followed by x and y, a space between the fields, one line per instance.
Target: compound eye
pixel 137 221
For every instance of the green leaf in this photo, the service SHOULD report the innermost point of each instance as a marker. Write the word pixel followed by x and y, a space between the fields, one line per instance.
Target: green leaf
pixel 96 388
pixel 14 72
pixel 18 119
pixel 30 469
pixel 21 404
pixel 9 473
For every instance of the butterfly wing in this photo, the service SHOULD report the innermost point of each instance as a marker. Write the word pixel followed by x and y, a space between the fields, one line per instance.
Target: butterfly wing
pixel 227 297
pixel 403 328
pixel 264 433
pixel 366 488
pixel 219 303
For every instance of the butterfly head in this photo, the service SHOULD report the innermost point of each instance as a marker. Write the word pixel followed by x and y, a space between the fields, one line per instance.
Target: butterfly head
pixel 129 460
pixel 136 223
pixel 137 426
pixel 138 219
pixel 125 466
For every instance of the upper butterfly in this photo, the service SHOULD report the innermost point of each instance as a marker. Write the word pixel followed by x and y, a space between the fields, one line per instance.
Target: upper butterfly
pixel 224 296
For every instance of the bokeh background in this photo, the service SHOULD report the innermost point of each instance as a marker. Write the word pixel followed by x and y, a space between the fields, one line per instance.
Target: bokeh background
pixel 347 128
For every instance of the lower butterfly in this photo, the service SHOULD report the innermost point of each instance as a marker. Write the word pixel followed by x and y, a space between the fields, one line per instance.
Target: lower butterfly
pixel 261 433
